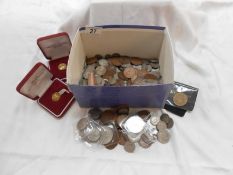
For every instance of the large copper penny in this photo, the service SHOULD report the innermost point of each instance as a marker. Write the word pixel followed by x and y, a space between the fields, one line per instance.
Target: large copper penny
pixel 94 113
pixel 180 99
pixel 136 61
pixel 130 72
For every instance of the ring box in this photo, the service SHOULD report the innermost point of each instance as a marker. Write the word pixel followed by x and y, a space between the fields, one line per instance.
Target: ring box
pixel 56 49
pixel 131 40
pixel 40 84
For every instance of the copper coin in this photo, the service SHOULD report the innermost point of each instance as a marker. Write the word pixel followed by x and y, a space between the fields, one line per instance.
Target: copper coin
pixel 110 71
pixel 116 61
pixel 164 117
pixel 130 72
pixel 161 125
pixel 122 138
pixel 142 72
pixel 150 76
pixel 94 113
pixel 136 61
pixel 56 96
pixel 98 56
pixel 125 60
pixel 163 136
pixel 91 60
pixel 122 109
pixel 143 113
pixel 108 116
pixel 91 79
pixel 129 147
pixel 107 56
pixel 170 123
pixel 122 76
pixel 82 123
pixel 180 99
pixel 112 146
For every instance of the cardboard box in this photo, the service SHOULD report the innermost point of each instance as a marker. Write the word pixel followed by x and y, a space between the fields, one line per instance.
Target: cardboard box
pixel 130 40
pixel 40 85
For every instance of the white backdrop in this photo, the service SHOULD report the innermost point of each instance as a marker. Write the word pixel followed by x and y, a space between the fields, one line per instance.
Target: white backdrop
pixel 32 142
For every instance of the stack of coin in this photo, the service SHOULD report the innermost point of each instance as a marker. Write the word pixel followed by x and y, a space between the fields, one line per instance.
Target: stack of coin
pixel 117 70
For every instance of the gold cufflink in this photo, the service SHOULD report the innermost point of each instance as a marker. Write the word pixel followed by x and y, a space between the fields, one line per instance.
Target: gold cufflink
pixel 62 66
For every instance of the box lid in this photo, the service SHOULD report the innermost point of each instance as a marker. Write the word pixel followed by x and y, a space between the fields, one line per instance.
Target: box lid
pixel 55 46
pixel 36 82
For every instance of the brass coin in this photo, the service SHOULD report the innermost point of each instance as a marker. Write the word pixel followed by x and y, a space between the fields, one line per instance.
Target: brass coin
pixel 180 99
pixel 150 76
pixel 130 72
pixel 62 66
pixel 129 147
pixel 91 60
pixel 136 61
pixel 161 126
pixel 56 96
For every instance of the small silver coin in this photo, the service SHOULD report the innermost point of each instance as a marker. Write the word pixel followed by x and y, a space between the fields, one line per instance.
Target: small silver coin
pixel 94 135
pixel 103 62
pixel 100 70
pixel 82 124
pixel 129 147
pixel 106 135
pixel 163 136
pixel 161 126
pixel 99 80
pixel 154 120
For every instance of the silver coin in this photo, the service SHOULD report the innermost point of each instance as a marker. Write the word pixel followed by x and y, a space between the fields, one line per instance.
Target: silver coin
pixel 149 68
pixel 100 70
pixel 106 135
pixel 94 135
pixel 129 147
pixel 154 120
pixel 143 144
pixel 82 123
pixel 99 80
pixel 161 126
pixel 103 62
pixel 163 136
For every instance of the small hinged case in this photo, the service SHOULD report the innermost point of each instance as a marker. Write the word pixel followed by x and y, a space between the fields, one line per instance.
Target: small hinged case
pixel 50 92
pixel 56 49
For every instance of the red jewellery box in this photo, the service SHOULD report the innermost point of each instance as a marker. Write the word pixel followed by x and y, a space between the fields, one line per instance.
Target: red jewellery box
pixel 56 48
pixel 51 93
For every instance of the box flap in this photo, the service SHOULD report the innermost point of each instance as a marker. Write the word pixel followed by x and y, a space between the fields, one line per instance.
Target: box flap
pixel 55 46
pixel 36 82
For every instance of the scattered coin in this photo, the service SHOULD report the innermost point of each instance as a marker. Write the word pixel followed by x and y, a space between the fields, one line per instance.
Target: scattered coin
pixel 82 124
pixel 120 119
pixel 180 99
pixel 129 147
pixel 111 146
pixel 100 70
pixel 163 136
pixel 122 138
pixel 130 72
pixel 123 109
pixel 170 123
pixel 116 61
pixel 94 135
pixel 116 55
pixel 91 79
pixel 122 76
pixel 161 125
pixel 94 113
pixel 150 76
pixel 164 117
pixel 103 62
pixel 108 116
pixel 143 144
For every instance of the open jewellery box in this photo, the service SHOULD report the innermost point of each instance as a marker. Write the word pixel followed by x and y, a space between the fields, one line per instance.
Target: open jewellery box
pixel 56 49
pixel 51 93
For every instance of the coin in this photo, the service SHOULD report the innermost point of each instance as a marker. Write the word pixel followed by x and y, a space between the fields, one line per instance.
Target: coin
pixel 123 109
pixel 164 117
pixel 56 96
pixel 125 60
pixel 170 123
pixel 90 68
pixel 136 61
pixel 103 62
pixel 100 70
pixel 99 80
pixel 150 76
pixel 116 61
pixel 122 138
pixel 180 99
pixel 161 125
pixel 94 135
pixel 91 79
pixel 154 120
pixel 62 66
pixel 122 76
pixel 82 123
pixel 91 60
pixel 163 136
pixel 94 113
pixel 108 116
pixel 119 82
pixel 143 144
pixel 106 135
pixel 129 147
pixel 142 72
pixel 120 119
pixel 130 72
pixel 143 113
pixel 111 146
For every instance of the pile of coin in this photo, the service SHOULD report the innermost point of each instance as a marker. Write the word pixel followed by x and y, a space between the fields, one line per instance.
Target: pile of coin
pixel 114 126
pixel 117 70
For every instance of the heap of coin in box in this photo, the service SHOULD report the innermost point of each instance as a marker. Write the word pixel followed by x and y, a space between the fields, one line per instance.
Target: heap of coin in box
pixel 115 126
pixel 117 70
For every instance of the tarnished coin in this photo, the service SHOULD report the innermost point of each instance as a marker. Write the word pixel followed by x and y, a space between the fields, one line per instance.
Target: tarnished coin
pixel 120 119
pixel 161 126
pixel 100 70
pixel 82 123
pixel 62 66
pixel 111 146
pixel 91 60
pixel 163 136
pixel 122 76
pixel 103 62
pixel 94 135
pixel 130 72
pixel 164 117
pixel 129 147
pixel 122 109
pixel 108 116
pixel 149 68
pixel 143 113
pixel 94 113
pixel 106 135
pixel 116 61
pixel 170 123
pixel 180 99
pixel 125 60
pixel 122 138
pixel 154 120
pixel 136 61
pixel 150 76
pixel 143 144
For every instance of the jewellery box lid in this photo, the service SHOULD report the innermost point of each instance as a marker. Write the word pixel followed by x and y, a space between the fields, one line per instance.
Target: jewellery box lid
pixel 36 82
pixel 55 46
